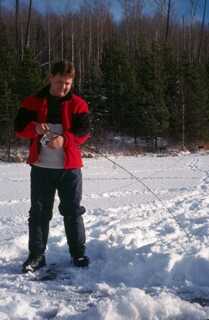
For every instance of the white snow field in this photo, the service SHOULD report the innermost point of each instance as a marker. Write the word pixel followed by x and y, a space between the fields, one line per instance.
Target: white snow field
pixel 149 258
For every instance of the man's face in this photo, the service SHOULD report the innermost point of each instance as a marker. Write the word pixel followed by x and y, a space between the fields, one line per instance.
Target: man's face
pixel 60 85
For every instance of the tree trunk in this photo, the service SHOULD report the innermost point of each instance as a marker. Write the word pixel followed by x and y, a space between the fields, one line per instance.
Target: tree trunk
pixel 168 21
pixel 9 142
pixel 49 43
pixel 201 31
pixel 28 26
pixel 90 42
pixel 0 9
pixel 17 28
pixel 80 69
pixel 72 42
pixel 62 39
pixel 194 5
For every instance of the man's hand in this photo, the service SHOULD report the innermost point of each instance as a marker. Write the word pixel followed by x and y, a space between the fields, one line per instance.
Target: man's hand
pixel 56 142
pixel 42 128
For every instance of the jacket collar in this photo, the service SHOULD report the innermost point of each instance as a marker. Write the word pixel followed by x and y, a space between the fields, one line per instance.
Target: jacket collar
pixel 44 93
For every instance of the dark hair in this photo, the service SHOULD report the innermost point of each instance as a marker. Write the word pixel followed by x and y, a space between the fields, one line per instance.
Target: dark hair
pixel 63 67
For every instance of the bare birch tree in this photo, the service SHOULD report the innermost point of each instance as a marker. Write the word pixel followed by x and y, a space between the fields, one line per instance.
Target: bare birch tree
pixel 194 4
pixel 202 30
pixel 168 20
pixel 17 7
pixel 27 33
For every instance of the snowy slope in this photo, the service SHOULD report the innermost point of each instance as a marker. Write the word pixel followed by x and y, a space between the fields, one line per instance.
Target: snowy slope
pixel 150 258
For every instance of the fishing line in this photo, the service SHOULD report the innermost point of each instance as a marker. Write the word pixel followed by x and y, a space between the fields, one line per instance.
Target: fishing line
pixel 116 164
pixel 188 235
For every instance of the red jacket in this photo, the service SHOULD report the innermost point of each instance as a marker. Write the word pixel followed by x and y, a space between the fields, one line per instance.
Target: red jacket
pixel 74 112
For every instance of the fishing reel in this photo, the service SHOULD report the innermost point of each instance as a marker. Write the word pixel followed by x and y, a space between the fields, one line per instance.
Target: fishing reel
pixel 46 138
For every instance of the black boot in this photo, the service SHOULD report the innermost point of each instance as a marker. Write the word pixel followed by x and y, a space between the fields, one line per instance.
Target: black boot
pixel 33 263
pixel 81 261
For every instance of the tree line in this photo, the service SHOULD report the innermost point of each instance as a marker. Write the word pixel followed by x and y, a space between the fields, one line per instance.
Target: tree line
pixel 145 74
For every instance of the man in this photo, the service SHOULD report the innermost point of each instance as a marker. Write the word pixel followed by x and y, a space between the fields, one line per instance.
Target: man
pixel 56 122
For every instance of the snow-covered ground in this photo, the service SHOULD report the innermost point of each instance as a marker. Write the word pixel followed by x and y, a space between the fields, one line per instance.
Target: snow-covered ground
pixel 149 257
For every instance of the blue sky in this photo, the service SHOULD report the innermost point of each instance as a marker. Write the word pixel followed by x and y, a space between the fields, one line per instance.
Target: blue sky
pixel 182 6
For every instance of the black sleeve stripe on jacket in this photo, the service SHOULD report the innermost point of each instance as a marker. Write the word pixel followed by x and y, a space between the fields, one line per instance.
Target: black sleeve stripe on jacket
pixel 80 124
pixel 23 117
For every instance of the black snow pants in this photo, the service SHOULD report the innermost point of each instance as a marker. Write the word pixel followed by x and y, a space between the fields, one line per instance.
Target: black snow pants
pixel 44 183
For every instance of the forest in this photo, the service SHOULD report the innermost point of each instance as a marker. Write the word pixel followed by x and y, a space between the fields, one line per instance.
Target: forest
pixel 144 75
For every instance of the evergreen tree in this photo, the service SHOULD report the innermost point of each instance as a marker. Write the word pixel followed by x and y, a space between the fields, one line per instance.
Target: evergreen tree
pixel 119 86
pixel 173 92
pixel 151 81
pixel 93 92
pixel 196 102
pixel 8 102
pixel 28 76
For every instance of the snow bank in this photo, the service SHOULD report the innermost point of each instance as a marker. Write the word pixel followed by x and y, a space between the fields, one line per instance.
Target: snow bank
pixel 149 258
